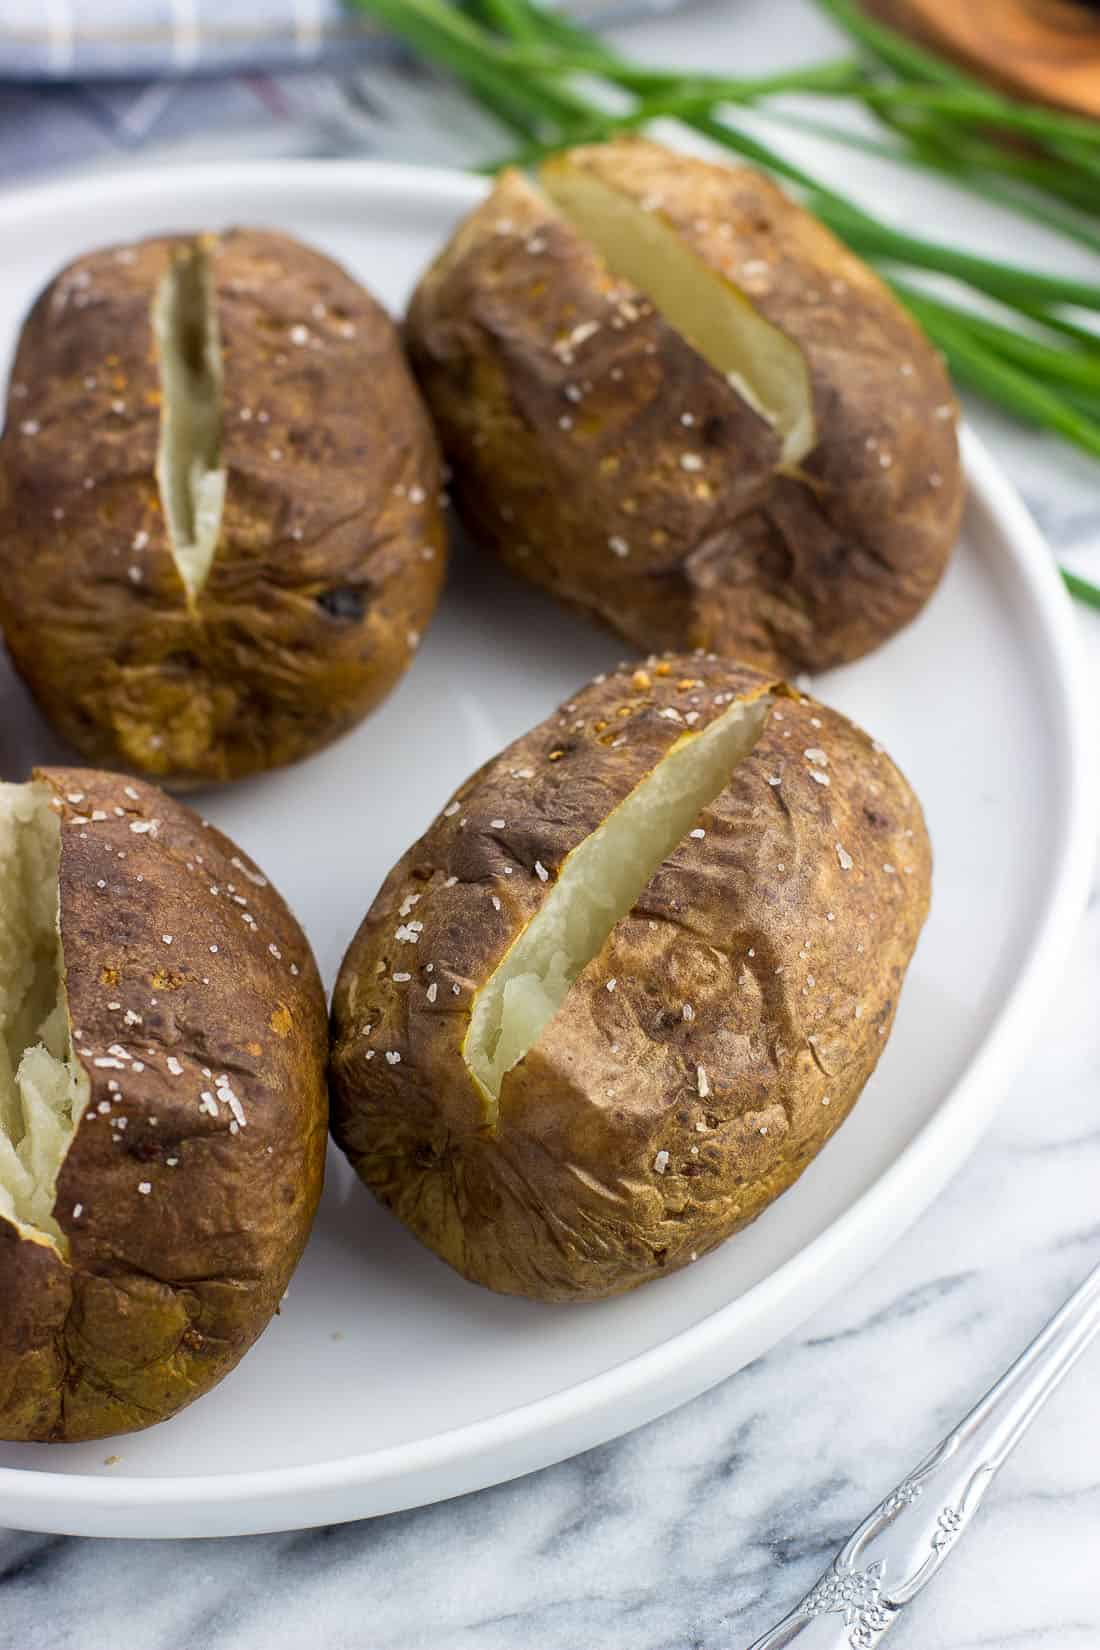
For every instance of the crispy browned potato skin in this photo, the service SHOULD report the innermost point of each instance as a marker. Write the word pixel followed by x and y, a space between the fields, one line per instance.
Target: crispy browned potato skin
pixel 564 443
pixel 162 1292
pixel 791 964
pixel 332 497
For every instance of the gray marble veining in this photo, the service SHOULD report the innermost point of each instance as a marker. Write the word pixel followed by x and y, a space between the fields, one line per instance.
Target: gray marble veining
pixel 698 1531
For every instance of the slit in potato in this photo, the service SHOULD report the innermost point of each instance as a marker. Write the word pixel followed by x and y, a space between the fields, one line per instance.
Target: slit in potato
pixel 43 1089
pixel 599 883
pixel 765 366
pixel 189 473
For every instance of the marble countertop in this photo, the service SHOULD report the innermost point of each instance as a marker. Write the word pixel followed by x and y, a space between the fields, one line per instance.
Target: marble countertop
pixel 701 1529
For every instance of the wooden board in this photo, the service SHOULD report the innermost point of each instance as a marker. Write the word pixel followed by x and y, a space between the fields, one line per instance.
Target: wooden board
pixel 1045 50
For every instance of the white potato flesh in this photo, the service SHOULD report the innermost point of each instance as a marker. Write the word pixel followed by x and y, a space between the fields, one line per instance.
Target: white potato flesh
pixel 765 366
pixel 189 476
pixel 43 1090
pixel 599 883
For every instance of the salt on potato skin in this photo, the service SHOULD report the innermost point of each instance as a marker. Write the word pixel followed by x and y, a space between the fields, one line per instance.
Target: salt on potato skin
pixel 790 954
pixel 186 1194
pixel 330 552
pixel 604 457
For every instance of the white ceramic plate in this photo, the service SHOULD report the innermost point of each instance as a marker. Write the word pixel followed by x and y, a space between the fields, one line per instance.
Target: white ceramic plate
pixel 388 1381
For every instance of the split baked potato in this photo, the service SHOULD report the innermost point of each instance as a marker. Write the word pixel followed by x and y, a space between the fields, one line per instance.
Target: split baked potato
pixel 220 530
pixel 163 1106
pixel 630 980
pixel 671 397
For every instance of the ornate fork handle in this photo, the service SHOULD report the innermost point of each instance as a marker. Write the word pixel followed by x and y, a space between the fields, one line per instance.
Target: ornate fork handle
pixel 900 1546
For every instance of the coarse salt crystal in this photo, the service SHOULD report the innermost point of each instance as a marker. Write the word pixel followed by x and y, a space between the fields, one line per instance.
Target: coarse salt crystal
pixel 253 876
pixel 228 1098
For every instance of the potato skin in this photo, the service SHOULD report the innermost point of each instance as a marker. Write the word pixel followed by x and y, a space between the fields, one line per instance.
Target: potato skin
pixel 568 411
pixel 163 1290
pixel 786 928
pixel 331 554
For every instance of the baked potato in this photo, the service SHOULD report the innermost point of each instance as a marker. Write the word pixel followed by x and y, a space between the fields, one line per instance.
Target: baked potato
pixel 672 398
pixel 220 531
pixel 162 1104
pixel 630 980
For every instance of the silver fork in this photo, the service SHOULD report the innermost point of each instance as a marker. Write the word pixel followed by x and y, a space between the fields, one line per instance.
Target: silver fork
pixel 898 1548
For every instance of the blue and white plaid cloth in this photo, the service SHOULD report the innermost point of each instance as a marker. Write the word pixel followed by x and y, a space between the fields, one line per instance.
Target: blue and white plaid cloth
pixel 98 80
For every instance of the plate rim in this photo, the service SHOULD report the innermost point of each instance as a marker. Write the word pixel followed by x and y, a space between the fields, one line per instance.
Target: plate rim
pixel 53 1501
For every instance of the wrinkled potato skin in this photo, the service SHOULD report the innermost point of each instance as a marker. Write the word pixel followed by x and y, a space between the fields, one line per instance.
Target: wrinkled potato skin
pixel 791 964
pixel 791 571
pixel 162 1292
pixel 333 484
